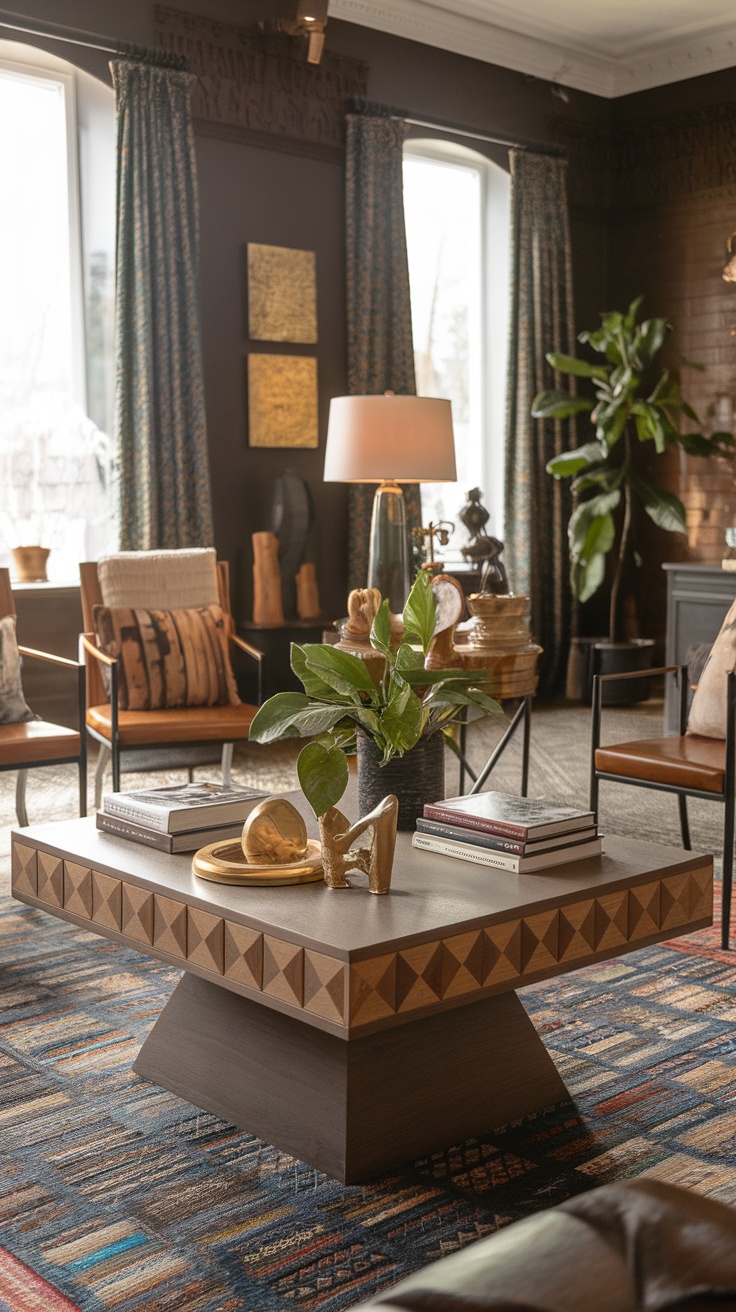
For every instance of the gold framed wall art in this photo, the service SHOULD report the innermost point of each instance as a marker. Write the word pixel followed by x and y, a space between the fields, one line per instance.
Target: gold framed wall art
pixel 282 294
pixel 282 400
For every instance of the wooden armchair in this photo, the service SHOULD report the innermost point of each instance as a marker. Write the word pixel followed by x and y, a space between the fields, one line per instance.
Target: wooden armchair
pixel 687 765
pixel 139 733
pixel 34 744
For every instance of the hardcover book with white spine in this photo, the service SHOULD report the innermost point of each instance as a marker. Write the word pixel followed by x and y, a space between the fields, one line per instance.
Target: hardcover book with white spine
pixel 519 865
pixel 524 818
pixel 181 807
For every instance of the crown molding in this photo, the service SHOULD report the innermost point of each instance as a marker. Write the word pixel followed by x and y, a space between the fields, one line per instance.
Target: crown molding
pixel 670 60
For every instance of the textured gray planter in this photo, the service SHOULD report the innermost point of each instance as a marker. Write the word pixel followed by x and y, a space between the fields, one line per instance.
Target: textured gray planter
pixel 415 778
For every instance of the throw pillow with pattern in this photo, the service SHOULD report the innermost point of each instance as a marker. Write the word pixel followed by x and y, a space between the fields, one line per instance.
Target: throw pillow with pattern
pixel 14 708
pixel 168 659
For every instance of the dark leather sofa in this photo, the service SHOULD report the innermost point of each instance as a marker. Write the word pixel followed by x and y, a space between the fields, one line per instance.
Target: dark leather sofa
pixel 639 1246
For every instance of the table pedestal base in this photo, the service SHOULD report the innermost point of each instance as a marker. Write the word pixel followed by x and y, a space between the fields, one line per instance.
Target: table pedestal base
pixel 352 1108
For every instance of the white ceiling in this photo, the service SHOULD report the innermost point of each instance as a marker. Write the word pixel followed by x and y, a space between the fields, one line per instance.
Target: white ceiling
pixel 608 47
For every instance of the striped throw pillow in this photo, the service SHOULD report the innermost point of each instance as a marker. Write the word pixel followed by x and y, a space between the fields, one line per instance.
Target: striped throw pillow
pixel 168 658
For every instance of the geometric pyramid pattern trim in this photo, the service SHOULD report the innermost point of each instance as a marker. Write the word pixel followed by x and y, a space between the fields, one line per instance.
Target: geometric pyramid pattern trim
pixel 51 879
pixel 78 889
pixel 206 940
pixel 170 926
pixel 25 874
pixel 324 986
pixel 373 991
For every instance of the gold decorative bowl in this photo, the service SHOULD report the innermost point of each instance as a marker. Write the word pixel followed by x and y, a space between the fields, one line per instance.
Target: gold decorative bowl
pixel 226 863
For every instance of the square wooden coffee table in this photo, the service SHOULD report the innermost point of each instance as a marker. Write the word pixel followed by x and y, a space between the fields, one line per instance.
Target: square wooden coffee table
pixel 361 1032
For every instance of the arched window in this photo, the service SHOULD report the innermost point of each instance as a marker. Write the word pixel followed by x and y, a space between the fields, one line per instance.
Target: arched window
pixel 57 247
pixel 456 204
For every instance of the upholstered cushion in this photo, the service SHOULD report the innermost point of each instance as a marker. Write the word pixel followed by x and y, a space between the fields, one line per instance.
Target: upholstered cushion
pixel 168 658
pixel 689 762
pixel 22 744
pixel 213 724
pixel 639 1246
pixel 174 580
pixel 708 711
pixel 13 706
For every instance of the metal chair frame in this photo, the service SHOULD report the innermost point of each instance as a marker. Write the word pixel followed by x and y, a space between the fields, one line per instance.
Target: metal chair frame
pixel 79 759
pixel 727 796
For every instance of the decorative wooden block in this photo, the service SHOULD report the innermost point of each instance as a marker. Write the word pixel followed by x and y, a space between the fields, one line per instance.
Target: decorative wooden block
pixel 243 955
pixel 702 893
pixel 170 926
pixel 644 911
pixel 137 914
pixel 282 401
pixel 282 294
pixel 77 889
pixel 576 931
pixel 205 943
pixel 50 879
pixel 25 873
pixel 419 976
pixel 107 900
pixel 611 920
pixel 324 986
pixel 283 970
pixel 503 952
pixel 373 989
pixel 464 963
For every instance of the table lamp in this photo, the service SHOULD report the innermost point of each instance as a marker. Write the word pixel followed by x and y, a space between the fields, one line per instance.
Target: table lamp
pixel 389 440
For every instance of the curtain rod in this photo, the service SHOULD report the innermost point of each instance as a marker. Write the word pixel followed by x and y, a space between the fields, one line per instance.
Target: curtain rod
pixel 91 40
pixel 458 131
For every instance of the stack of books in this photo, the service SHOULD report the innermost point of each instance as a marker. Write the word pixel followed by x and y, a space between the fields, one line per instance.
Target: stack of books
pixel 519 834
pixel 179 818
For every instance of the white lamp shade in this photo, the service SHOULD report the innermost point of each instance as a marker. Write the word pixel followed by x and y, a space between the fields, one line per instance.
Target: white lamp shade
pixel 408 439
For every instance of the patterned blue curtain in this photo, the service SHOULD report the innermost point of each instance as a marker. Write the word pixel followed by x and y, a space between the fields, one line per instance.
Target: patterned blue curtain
pixel 380 347
pixel 542 320
pixel 159 395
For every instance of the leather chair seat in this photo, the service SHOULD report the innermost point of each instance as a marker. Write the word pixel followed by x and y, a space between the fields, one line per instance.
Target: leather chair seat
pixel 190 724
pixel 687 762
pixel 36 740
pixel 623 1248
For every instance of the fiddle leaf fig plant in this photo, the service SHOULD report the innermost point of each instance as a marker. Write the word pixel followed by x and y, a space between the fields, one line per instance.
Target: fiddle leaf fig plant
pixel 630 408
pixel 403 703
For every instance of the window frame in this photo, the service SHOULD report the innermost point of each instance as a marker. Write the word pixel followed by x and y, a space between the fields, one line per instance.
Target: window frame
pixel 495 188
pixel 36 71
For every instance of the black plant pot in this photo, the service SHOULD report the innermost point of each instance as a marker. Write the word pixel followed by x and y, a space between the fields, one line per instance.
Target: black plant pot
pixel 624 658
pixel 414 778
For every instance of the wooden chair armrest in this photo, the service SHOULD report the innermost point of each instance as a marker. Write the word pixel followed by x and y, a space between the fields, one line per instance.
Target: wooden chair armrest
pixel 639 674
pixel 95 652
pixel 48 656
pixel 256 654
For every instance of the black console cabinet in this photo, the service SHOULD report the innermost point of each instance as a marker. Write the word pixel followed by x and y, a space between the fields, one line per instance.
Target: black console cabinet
pixel 698 599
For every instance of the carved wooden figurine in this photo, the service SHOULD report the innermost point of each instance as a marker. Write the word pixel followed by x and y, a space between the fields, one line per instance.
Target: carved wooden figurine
pixel 268 607
pixel 307 593
pixel 376 861
pixel 449 610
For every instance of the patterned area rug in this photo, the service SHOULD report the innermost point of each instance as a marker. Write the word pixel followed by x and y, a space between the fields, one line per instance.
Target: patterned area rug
pixel 121 1196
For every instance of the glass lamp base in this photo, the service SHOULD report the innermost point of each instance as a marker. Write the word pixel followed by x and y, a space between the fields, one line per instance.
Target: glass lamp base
pixel 388 557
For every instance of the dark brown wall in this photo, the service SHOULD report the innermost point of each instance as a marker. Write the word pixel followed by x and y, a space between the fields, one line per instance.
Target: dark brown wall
pixel 673 206
pixel 250 193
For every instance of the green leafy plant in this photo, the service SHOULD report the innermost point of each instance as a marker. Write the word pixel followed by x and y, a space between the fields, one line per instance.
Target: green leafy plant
pixel 341 698
pixel 630 407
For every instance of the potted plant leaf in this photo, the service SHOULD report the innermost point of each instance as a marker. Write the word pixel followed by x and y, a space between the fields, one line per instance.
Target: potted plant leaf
pixel 399 719
pixel 636 404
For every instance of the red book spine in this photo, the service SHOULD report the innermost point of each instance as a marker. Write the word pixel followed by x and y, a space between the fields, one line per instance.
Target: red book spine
pixel 433 811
